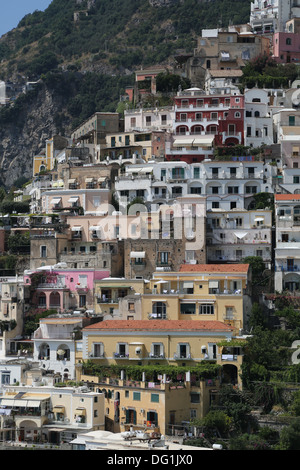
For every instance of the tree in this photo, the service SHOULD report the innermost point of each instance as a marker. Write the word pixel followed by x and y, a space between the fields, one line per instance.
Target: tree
pixel 290 436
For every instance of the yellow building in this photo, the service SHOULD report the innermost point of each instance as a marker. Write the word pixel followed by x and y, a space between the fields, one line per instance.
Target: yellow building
pixel 157 374
pixel 46 160
pixel 210 292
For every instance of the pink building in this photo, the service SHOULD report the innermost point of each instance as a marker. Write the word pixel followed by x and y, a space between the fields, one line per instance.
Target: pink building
pixel 62 289
pixel 286 47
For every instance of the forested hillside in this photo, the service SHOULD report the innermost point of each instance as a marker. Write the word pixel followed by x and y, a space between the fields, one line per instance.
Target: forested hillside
pixel 117 34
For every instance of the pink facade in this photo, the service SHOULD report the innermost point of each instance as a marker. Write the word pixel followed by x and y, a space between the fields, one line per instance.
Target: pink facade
pixel 63 289
pixel 286 47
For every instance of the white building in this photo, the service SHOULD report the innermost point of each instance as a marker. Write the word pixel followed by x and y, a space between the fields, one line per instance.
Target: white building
pixel 287 249
pixel 258 118
pixel 49 414
pixel 226 184
pixel 233 235
pixel 55 345
pixel 268 16
pixel 142 119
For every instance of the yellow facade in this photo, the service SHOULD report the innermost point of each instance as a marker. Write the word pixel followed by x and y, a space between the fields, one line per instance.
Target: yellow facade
pixel 208 295
pixel 181 345
pixel 44 162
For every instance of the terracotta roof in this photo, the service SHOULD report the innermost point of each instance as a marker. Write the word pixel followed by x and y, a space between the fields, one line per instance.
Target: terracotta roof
pixel 214 268
pixel 286 197
pixel 161 325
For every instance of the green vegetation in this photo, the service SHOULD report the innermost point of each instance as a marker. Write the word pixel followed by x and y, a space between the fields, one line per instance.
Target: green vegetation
pixel 122 34
pixel 263 71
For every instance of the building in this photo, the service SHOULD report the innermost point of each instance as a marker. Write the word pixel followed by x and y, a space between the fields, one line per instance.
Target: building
pixel 286 47
pixel 258 118
pixel 199 114
pixel 207 292
pixel 55 343
pixel 43 414
pixel 159 403
pixel 53 287
pixel 267 17
pixel 233 235
pixel 94 129
pixel 287 249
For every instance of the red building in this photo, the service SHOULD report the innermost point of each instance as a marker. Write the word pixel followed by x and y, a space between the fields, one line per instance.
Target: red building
pixel 199 114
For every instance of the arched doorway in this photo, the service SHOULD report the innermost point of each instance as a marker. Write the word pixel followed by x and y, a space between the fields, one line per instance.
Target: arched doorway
pixel 28 431
pixel 44 351
pixel 230 374
pixel 54 300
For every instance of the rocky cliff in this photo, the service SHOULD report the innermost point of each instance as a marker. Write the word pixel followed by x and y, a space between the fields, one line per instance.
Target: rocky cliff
pixel 24 135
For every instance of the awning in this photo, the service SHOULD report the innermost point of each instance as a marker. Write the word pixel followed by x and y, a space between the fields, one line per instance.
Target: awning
pixel 183 142
pixel 58 408
pixel 72 181
pixel 80 411
pixel 204 140
pixel 213 284
pixel 56 200
pixel 73 199
pixel 100 180
pixel 188 285
pixel 94 227
pixel 33 403
pixel 259 219
pixel 89 180
pixel 240 234
pixel 76 228
pixel 137 254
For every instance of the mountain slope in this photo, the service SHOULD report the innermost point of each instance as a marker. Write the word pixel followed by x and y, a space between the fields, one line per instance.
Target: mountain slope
pixel 117 34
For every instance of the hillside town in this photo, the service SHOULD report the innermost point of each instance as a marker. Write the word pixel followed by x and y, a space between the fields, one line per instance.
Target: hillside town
pixel 129 304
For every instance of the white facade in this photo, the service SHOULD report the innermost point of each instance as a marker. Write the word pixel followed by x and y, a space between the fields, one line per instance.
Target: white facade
pixel 287 250
pixel 270 16
pixel 54 345
pixel 226 185
pixel 145 119
pixel 258 118
pixel 234 235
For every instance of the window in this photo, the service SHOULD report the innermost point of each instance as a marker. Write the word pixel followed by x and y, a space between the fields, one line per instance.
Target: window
pixel 215 189
pixel 82 278
pixel 233 189
pixel 196 172
pixel 206 309
pixel 296 179
pixel 159 310
pixel 157 350
pixel 82 300
pixel 229 313
pixel 43 251
pixel 137 396
pixel 183 351
pixel 154 397
pixel 187 309
pixel 215 205
pixel 121 350
pixel 164 257
pixel 98 350
pixel 193 414
pixel 251 189
pixel 148 120
pixel 195 397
